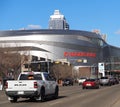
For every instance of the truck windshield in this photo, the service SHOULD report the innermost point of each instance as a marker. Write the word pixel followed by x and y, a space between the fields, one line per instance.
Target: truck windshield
pixel 104 77
pixel 30 77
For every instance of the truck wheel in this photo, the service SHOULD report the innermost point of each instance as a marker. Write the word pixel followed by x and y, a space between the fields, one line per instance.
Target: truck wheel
pixel 42 93
pixel 32 99
pixel 56 93
pixel 13 100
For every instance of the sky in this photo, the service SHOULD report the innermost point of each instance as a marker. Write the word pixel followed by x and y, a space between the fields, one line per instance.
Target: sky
pixel 85 15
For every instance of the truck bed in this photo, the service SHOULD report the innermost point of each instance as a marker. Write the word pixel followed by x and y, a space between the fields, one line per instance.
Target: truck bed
pixel 21 85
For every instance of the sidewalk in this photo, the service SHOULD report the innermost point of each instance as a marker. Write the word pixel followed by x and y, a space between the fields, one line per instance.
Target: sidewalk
pixel 116 104
pixel 3 95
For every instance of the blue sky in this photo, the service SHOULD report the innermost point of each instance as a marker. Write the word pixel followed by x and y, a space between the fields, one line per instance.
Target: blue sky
pixel 80 14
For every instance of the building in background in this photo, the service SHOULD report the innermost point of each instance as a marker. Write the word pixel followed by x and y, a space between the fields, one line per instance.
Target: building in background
pixel 58 21
pixel 97 31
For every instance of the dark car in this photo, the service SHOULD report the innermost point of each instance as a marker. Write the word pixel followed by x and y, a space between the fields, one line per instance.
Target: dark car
pixel 116 80
pixel 68 81
pixel 90 83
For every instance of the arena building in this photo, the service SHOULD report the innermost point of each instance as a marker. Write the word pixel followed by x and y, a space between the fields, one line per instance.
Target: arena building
pixel 58 44
pixel 80 48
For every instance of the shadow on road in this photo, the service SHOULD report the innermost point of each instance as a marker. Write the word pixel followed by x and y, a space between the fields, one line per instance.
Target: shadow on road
pixel 38 101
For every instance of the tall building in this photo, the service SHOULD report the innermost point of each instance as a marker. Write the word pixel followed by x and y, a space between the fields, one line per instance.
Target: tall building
pixel 58 21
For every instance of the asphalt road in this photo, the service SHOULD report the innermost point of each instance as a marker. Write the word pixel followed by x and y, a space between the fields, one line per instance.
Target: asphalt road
pixel 73 96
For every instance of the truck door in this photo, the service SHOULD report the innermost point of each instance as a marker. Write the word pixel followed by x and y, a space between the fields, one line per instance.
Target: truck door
pixel 49 84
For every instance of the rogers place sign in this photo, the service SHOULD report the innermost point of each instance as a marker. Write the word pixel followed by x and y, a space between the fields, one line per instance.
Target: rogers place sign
pixel 81 54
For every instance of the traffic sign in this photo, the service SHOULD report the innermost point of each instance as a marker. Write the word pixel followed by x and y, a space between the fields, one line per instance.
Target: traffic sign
pixel 101 68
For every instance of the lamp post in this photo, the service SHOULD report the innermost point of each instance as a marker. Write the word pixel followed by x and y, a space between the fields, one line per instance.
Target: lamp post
pixel 47 64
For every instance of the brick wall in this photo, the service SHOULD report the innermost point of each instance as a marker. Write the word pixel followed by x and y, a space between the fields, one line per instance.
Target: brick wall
pixel 84 71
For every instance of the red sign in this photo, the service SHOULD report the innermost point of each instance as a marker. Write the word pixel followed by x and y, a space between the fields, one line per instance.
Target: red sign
pixel 82 54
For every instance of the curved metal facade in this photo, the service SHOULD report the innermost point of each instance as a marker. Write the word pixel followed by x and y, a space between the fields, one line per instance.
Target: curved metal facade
pixel 85 47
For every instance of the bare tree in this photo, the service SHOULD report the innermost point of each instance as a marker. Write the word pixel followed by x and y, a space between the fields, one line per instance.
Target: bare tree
pixel 11 60
pixel 62 71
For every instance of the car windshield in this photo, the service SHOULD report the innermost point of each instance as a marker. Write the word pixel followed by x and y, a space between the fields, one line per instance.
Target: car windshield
pixel 83 78
pixel 90 80
pixel 104 77
pixel 68 79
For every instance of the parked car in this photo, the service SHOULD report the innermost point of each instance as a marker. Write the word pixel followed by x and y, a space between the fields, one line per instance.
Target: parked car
pixel 81 80
pixel 112 80
pixel 90 83
pixel 68 81
pixel 116 80
pixel 106 81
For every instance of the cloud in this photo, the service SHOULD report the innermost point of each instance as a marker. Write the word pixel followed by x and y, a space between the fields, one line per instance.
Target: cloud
pixel 117 32
pixel 31 26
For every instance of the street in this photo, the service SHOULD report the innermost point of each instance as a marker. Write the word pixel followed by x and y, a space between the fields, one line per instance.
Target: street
pixel 73 96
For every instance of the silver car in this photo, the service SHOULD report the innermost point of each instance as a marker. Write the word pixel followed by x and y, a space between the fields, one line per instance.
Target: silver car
pixel 105 81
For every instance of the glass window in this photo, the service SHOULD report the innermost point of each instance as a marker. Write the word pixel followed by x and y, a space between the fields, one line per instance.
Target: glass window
pixel 30 77
pixel 104 77
pixel 48 77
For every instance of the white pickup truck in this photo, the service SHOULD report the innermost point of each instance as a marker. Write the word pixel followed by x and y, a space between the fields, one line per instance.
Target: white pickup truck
pixel 33 85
